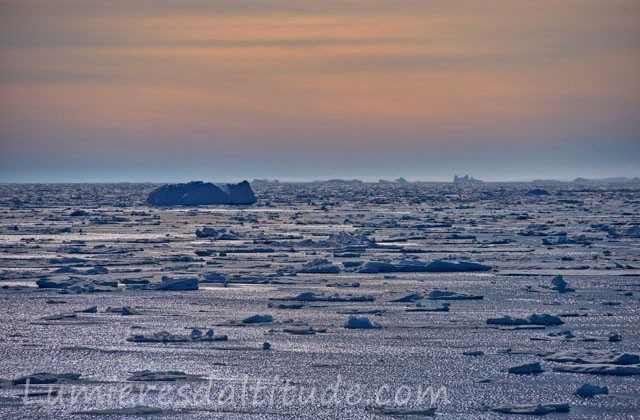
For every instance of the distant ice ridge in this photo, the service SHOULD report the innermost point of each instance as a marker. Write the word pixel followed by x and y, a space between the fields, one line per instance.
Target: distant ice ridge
pixel 201 193
pixel 465 180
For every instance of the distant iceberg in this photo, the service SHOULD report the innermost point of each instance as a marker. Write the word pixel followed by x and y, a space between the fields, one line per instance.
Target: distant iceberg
pixel 465 180
pixel 201 193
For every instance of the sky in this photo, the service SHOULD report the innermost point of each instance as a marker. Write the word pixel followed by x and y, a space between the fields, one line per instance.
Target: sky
pixel 174 90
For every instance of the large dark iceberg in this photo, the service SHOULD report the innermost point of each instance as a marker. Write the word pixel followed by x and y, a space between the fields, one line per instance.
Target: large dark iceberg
pixel 200 193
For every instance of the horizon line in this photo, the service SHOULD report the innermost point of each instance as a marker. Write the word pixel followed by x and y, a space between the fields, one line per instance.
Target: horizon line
pixel 364 180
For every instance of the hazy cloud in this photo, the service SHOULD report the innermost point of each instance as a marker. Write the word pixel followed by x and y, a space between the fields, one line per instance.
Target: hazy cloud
pixel 319 85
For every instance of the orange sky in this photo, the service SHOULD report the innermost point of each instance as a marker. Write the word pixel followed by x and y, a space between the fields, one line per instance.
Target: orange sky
pixel 353 87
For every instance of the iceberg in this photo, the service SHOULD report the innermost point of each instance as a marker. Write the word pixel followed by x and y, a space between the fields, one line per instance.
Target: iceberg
pixel 197 193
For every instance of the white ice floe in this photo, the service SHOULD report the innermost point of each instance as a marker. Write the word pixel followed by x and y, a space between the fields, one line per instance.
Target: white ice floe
pixel 360 323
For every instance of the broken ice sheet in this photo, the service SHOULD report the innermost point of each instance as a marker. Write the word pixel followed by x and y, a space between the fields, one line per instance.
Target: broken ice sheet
pixel 310 257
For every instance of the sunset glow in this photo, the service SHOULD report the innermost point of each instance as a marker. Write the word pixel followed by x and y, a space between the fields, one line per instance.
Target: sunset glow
pixel 175 90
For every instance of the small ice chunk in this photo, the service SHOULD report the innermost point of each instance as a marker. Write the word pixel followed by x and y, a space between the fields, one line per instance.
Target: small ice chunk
pixel 179 284
pixel 448 295
pixel 258 319
pixel 588 390
pixel 600 369
pixel 561 285
pixel 544 319
pixel 165 376
pixel 536 409
pixel 594 357
pixel 533 319
pixel 319 266
pixel 46 378
pixel 362 323
pixel 526 369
